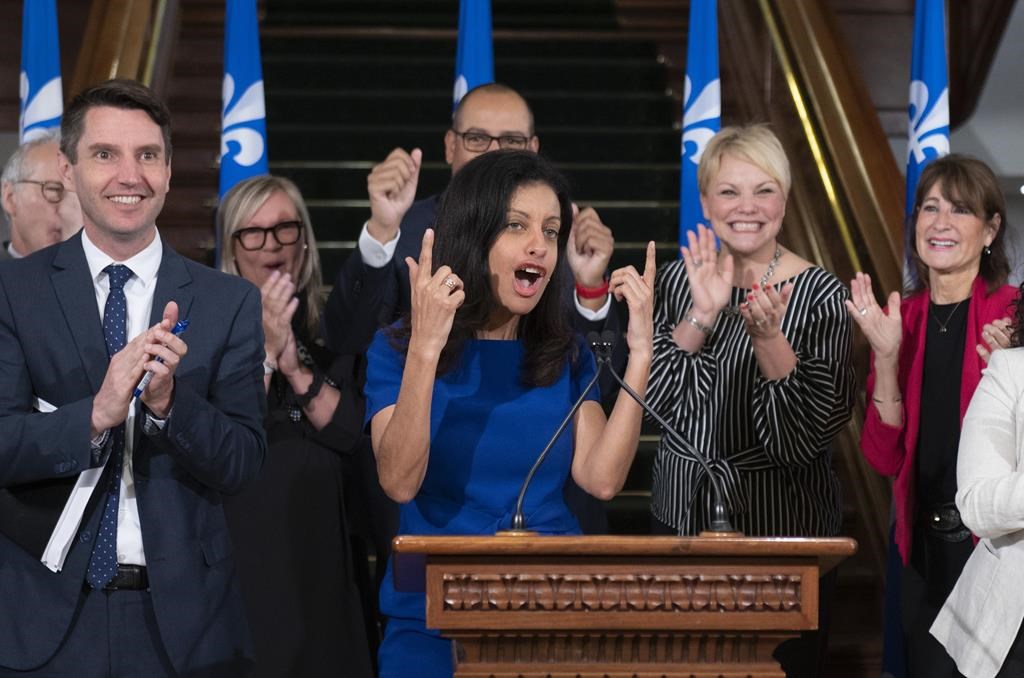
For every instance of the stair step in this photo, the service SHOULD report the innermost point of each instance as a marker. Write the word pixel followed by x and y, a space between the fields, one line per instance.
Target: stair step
pixel 388 107
pixel 397 72
pixel 614 182
pixel 374 142
pixel 397 43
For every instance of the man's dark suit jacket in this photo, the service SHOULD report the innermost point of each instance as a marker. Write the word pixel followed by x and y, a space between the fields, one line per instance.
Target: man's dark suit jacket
pixel 52 347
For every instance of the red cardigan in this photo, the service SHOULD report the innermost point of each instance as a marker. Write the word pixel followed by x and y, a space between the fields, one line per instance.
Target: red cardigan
pixel 891 449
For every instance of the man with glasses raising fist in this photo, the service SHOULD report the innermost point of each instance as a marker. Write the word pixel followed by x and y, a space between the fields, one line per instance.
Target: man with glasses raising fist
pixel 39 210
pixel 372 288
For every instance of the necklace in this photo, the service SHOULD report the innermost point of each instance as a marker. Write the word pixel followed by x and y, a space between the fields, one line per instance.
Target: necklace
pixel 944 326
pixel 735 310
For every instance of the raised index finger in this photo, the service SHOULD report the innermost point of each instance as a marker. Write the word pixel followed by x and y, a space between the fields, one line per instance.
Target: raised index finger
pixel 651 265
pixel 426 263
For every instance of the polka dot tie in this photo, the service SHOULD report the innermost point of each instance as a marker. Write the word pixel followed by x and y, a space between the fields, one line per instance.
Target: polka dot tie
pixel 103 563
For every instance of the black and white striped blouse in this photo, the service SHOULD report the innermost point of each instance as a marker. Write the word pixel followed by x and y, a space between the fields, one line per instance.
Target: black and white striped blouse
pixel 768 441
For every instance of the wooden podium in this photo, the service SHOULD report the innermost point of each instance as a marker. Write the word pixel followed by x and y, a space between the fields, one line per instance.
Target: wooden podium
pixel 617 606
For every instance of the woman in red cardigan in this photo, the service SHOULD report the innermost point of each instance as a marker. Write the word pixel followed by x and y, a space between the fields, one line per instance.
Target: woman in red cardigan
pixel 928 351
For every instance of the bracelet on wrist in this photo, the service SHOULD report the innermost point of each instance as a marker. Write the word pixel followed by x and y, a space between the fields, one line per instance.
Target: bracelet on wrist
pixel 314 389
pixel 698 324
pixel 592 292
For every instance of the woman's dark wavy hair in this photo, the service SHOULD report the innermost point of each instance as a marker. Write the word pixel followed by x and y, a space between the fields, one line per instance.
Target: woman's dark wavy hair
pixel 967 182
pixel 471 215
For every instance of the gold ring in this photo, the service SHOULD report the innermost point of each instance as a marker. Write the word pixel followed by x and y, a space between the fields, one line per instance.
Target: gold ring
pixel 449 282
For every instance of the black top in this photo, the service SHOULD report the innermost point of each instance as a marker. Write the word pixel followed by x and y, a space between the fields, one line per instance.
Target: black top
pixel 939 434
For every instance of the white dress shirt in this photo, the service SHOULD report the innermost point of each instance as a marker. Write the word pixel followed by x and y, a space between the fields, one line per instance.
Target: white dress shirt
pixel 138 292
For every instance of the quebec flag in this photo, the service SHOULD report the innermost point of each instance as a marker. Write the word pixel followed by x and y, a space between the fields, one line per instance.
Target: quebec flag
pixel 702 108
pixel 42 96
pixel 474 56
pixel 928 131
pixel 243 136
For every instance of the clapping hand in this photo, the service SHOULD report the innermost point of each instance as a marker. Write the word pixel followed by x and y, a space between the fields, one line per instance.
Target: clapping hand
pixel 764 308
pixel 995 335
pixel 279 304
pixel 435 299
pixel 710 284
pixel 883 331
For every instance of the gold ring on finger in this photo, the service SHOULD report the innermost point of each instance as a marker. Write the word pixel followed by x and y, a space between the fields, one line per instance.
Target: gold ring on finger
pixel 449 282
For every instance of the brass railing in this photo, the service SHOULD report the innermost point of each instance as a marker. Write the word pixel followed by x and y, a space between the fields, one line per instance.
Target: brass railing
pixel 131 39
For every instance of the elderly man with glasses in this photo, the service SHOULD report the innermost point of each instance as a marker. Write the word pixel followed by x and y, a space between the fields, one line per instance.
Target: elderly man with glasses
pixel 39 210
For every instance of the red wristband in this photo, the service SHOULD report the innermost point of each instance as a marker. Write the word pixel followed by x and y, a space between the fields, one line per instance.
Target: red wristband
pixel 592 292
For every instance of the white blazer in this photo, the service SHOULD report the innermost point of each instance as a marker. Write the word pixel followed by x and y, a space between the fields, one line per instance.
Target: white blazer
pixel 980 619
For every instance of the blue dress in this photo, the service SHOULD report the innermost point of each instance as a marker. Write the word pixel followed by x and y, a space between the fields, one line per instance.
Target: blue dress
pixel 486 430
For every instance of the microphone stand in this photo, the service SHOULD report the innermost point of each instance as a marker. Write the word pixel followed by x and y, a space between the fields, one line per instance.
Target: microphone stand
pixel 518 519
pixel 602 346
pixel 720 523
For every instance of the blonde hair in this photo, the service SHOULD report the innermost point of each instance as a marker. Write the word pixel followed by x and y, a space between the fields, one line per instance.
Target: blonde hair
pixel 756 144
pixel 237 209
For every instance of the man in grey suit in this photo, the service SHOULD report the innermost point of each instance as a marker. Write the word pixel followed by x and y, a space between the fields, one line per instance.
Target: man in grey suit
pixel 141 580
pixel 39 210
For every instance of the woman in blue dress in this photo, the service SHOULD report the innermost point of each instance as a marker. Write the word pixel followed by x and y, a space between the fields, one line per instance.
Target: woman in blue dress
pixel 464 393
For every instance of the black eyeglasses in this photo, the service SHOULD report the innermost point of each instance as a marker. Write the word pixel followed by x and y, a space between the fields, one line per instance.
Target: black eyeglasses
pixel 254 237
pixel 53 191
pixel 478 141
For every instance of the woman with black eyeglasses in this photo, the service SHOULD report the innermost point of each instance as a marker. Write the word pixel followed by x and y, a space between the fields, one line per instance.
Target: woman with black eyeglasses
pixel 289 528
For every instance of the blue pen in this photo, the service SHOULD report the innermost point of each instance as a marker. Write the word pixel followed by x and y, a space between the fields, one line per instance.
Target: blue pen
pixel 179 327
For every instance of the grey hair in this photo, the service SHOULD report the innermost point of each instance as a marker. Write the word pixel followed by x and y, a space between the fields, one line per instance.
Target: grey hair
pixel 15 169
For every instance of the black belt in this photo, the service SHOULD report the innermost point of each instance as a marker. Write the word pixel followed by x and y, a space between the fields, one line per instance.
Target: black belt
pixel 128 578
pixel 944 522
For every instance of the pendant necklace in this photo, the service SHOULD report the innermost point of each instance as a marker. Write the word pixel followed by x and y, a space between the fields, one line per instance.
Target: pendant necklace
pixel 735 310
pixel 944 326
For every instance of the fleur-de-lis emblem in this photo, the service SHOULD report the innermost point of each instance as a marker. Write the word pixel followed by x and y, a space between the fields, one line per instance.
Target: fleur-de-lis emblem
pixel 929 127
pixel 702 108
pixel 249 107
pixel 47 104
pixel 461 87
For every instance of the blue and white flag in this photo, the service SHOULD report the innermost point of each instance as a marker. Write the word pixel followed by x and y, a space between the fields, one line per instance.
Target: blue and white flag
pixel 928 131
pixel 243 136
pixel 474 56
pixel 702 108
pixel 42 96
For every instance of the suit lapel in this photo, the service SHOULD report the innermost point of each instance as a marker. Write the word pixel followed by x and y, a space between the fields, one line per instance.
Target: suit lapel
pixel 77 298
pixel 173 283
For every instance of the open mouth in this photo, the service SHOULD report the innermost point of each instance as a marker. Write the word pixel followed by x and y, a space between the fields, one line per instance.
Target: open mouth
pixel 128 200
pixel 941 244
pixel 528 280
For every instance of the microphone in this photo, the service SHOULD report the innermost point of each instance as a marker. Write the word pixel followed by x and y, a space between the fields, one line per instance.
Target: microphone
pixel 720 522
pixel 518 519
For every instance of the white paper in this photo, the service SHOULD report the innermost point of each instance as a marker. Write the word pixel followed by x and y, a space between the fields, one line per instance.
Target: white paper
pixel 71 517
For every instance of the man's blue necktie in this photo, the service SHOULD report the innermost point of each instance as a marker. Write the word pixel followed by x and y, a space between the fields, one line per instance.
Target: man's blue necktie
pixel 103 564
